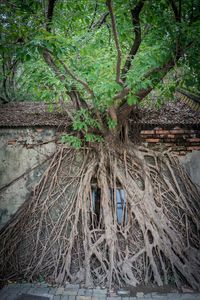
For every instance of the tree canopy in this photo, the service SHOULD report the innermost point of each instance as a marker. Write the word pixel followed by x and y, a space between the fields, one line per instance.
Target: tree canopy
pixel 104 56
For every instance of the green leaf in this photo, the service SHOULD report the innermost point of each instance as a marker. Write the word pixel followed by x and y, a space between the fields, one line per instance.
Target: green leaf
pixel 132 100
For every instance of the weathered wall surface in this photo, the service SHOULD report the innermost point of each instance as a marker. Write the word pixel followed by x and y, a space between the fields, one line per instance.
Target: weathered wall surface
pixel 24 154
pixel 191 162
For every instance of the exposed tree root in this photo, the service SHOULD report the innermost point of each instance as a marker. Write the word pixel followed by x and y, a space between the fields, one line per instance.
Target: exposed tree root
pixel 59 233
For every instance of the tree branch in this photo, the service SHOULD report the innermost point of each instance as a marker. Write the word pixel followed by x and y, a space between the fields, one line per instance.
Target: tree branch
pixel 75 77
pixel 73 94
pixel 126 109
pixel 100 22
pixel 135 13
pixel 8 99
pixel 116 39
pixel 50 11
pixel 50 62
pixel 94 15
pixel 176 10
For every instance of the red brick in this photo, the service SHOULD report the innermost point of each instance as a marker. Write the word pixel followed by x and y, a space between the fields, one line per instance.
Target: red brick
pixel 191 148
pixel 177 131
pixel 29 146
pixel 147 132
pixel 39 129
pixel 171 136
pixel 152 140
pixel 162 132
pixel 194 140
pixel 11 142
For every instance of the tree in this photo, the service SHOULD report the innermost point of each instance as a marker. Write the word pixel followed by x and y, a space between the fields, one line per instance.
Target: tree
pixel 105 58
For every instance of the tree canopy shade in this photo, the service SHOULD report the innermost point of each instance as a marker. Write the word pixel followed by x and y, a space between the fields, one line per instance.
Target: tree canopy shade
pixel 104 56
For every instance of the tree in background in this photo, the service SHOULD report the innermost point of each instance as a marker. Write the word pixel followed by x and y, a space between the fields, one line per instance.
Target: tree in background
pixel 106 210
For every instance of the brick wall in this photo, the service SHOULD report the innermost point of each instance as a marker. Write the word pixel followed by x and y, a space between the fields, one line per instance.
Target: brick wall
pixel 179 140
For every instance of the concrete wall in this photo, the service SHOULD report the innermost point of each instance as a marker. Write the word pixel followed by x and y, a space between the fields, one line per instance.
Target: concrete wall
pixel 24 155
pixel 191 162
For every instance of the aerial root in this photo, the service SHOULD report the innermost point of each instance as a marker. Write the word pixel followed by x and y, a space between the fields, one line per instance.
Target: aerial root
pixel 107 217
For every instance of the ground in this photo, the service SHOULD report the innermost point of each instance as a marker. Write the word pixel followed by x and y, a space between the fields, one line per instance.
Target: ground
pixel 37 291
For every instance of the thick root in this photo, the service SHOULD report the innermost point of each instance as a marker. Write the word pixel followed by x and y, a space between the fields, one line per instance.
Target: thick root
pixel 105 217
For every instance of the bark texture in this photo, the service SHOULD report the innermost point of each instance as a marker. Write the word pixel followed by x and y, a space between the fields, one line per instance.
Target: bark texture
pixel 61 234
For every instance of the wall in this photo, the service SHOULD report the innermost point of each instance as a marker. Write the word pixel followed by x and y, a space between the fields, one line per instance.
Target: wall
pixel 183 142
pixel 24 154
pixel 179 140
pixel 191 162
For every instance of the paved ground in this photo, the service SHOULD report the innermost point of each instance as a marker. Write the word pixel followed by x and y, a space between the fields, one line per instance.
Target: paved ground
pixel 74 292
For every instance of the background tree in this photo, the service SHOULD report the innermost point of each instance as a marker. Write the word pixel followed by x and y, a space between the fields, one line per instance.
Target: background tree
pixel 105 57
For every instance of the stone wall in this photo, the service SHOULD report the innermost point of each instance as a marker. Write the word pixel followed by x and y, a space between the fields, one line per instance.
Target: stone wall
pixel 24 154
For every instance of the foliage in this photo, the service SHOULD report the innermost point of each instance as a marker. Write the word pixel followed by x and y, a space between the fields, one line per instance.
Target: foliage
pixel 77 47
pixel 73 141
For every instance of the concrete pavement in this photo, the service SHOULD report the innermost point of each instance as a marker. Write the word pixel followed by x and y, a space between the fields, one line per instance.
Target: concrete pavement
pixel 27 291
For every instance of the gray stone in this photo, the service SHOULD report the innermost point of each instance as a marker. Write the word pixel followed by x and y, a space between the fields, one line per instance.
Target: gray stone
pixel 148 296
pixel 114 298
pixel 64 297
pixel 59 291
pixel 140 295
pixel 81 292
pixel 72 297
pixel 190 296
pixel 88 292
pixel 52 290
pixel 159 296
pixel 72 286
pixel 14 285
pixel 174 295
pixel 123 292
pixel 99 291
pixel 99 297
pixel 83 298
pixel 26 296
pixel 38 290
pixel 70 292
pixel 43 290
pixel 44 284
pixel 57 297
